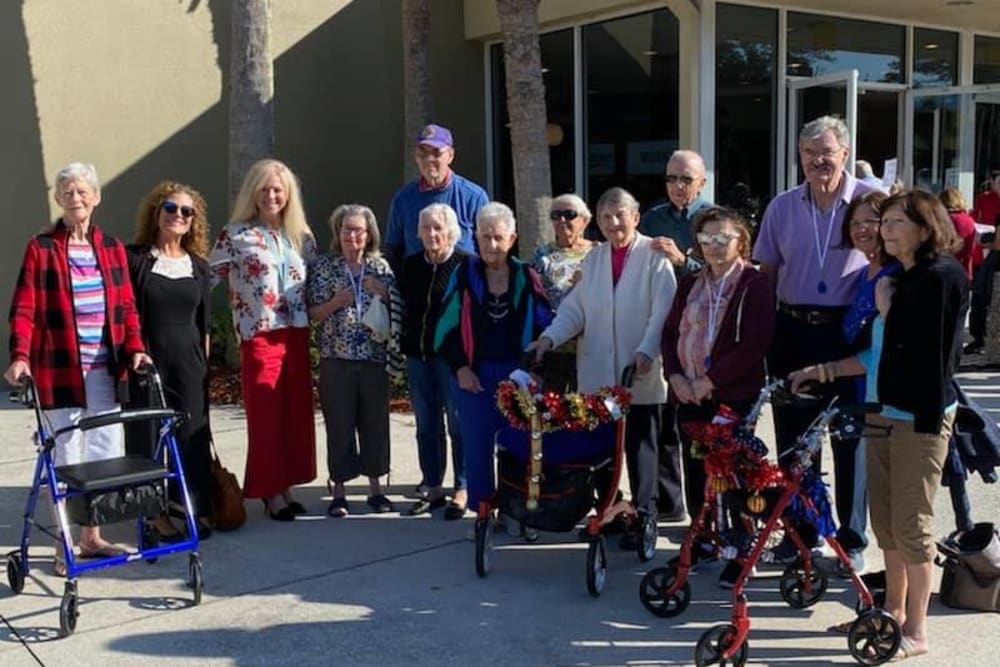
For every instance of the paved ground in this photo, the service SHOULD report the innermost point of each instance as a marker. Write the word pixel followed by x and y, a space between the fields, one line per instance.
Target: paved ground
pixel 388 590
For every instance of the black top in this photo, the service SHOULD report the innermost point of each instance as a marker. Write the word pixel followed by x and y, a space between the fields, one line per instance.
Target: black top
pixel 422 286
pixel 923 340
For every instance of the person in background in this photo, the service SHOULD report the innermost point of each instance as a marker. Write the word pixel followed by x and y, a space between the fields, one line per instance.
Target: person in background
pixel 970 254
pixel 263 253
pixel 863 172
pixel 986 211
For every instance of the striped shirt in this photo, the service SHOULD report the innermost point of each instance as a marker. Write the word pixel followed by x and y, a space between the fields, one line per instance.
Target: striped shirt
pixel 88 305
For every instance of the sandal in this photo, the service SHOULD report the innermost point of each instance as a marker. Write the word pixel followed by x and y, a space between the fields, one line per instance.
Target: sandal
pixel 841 628
pixel 425 506
pixel 165 528
pixel 59 562
pixel 338 508
pixel 106 550
pixel 379 503
pixel 907 649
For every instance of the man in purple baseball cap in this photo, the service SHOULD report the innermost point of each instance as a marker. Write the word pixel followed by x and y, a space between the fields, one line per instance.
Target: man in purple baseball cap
pixel 435 136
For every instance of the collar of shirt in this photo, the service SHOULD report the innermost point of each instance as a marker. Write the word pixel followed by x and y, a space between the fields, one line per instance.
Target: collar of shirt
pixel 424 186
pixel 848 184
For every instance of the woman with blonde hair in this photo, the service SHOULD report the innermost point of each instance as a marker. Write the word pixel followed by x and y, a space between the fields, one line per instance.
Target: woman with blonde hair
pixel 264 252
pixel 172 283
pixel 970 254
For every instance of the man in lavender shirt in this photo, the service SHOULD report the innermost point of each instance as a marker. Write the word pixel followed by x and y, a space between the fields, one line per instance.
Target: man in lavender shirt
pixel 800 247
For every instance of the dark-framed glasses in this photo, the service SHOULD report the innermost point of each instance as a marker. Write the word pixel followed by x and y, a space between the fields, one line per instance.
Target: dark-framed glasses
pixel 172 207
pixel 674 179
pixel 564 214
pixel 717 238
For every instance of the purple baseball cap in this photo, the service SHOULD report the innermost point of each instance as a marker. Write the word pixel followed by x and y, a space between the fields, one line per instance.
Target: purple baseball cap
pixel 434 136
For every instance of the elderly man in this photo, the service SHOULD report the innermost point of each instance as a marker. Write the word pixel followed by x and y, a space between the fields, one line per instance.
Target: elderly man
pixel 800 247
pixel 670 226
pixel 437 184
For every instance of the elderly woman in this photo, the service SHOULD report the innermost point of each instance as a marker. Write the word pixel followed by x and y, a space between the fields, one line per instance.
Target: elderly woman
pixel 354 360
pixel 908 367
pixel 263 252
pixel 423 282
pixel 618 309
pixel 714 343
pixel 558 264
pixel 172 284
pixel 74 273
pixel 494 306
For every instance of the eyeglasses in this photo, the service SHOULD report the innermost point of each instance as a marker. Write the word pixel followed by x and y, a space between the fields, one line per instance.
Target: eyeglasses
pixel 674 179
pixel 353 231
pixel 172 207
pixel 564 214
pixel 718 238
pixel 865 224
pixel 827 154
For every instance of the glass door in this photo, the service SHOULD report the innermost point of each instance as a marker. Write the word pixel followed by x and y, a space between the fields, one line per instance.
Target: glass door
pixel 812 97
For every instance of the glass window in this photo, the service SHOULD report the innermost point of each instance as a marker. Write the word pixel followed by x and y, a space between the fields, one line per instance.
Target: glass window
pixel 935 58
pixel 557 72
pixel 746 64
pixel 825 44
pixel 631 83
pixel 986 67
pixel 935 142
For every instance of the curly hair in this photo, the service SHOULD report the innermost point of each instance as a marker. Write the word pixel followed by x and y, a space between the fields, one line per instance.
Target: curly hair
pixel 147 218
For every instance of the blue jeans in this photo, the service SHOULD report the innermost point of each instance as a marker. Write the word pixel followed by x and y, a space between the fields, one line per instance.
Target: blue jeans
pixel 430 393
pixel 479 420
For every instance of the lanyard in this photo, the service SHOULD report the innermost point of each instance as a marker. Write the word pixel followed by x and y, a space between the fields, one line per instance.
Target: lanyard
pixel 821 251
pixel 356 285
pixel 715 306
pixel 275 242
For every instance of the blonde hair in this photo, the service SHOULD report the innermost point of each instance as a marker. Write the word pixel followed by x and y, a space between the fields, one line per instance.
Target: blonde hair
pixel 293 216
pixel 147 226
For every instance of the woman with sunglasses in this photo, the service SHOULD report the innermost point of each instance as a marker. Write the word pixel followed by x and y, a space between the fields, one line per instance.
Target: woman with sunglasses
pixel 172 280
pixel 714 342
pixel 558 265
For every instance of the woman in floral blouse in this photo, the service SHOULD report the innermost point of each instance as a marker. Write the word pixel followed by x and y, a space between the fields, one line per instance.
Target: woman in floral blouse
pixel 264 252
pixel 355 360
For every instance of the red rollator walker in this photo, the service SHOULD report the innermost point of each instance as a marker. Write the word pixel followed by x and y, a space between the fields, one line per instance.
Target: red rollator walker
pixel 747 498
pixel 560 458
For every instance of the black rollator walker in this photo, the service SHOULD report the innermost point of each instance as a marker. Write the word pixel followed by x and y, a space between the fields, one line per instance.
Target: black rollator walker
pixel 107 491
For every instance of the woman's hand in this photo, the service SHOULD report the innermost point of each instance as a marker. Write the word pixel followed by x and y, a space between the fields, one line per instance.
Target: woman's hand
pixel 539 347
pixel 16 371
pixel 702 389
pixel 681 387
pixel 884 290
pixel 342 298
pixel 803 376
pixel 643 364
pixel 375 286
pixel 468 380
pixel 139 359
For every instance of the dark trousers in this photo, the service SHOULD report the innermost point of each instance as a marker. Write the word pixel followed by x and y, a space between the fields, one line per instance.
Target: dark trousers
pixel 796 344
pixel 982 295
pixel 354 396
pixel 668 483
pixel 642 433
pixel 431 397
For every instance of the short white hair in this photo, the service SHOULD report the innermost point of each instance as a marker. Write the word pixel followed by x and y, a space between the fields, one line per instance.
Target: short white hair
pixel 863 169
pixel 78 171
pixel 814 129
pixel 614 197
pixel 688 157
pixel 445 213
pixel 575 201
pixel 495 211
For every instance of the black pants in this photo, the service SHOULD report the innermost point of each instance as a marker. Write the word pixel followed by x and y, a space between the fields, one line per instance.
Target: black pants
pixel 354 396
pixel 796 344
pixel 642 432
pixel 668 483
pixel 982 295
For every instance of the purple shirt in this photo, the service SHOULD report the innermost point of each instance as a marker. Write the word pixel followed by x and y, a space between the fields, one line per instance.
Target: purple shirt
pixel 787 239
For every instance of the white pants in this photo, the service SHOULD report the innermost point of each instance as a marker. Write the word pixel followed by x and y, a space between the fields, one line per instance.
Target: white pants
pixel 107 442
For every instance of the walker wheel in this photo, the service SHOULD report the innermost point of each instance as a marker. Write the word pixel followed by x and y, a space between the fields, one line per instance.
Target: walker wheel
pixel 648 534
pixel 484 546
pixel 150 540
pixel 874 637
pixel 798 591
pixel 597 566
pixel 715 642
pixel 15 572
pixel 196 578
pixel 653 593
pixel 68 610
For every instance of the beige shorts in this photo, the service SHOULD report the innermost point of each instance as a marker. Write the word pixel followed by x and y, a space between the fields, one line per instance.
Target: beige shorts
pixel 904 472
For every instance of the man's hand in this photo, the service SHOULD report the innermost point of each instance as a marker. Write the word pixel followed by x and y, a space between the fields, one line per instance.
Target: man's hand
pixel 139 359
pixel 666 245
pixel 16 371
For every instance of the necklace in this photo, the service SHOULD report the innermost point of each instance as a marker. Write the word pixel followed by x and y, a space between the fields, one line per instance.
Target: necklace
pixel 822 250
pixel 714 308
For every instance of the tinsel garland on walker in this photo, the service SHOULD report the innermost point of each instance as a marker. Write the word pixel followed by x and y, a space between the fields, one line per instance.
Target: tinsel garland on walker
pixel 817 512
pixel 566 412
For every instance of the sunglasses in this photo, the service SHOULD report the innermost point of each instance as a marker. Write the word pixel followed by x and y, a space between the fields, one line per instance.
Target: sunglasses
pixel 563 214
pixel 718 238
pixel 674 179
pixel 172 207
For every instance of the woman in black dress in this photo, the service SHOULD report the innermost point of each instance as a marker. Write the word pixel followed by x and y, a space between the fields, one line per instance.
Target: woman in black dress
pixel 170 278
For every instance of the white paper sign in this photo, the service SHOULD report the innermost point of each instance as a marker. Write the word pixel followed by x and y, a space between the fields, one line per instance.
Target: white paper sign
pixel 889 173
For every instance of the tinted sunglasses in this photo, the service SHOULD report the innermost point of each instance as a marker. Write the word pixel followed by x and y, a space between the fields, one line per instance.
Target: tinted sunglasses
pixel 172 207
pixel 718 238
pixel 563 214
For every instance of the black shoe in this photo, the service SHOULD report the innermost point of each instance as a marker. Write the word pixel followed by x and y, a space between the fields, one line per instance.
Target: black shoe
pixel 785 553
pixel 425 506
pixel 379 503
pixel 296 507
pixel 629 541
pixel 672 515
pixel 454 511
pixel 701 552
pixel 731 572
pixel 975 347
pixel 338 508
pixel 283 514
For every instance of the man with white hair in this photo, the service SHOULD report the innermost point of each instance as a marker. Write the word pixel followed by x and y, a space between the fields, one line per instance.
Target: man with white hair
pixel 801 248
pixel 863 172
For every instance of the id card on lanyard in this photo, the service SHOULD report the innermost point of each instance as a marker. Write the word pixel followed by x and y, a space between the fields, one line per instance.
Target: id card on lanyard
pixel 278 246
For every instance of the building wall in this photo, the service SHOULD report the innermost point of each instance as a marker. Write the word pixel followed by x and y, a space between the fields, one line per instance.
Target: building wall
pixel 140 89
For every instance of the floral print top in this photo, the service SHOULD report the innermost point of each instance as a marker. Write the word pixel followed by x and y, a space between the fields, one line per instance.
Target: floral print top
pixel 557 267
pixel 266 277
pixel 342 335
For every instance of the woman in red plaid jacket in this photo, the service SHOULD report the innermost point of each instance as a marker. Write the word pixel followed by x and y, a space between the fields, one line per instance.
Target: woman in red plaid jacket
pixel 74 329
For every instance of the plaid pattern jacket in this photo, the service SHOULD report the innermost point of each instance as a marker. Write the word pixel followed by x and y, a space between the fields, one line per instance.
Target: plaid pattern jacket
pixel 43 324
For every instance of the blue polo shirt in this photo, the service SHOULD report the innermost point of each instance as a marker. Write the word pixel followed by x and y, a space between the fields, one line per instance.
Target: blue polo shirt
pixel 667 220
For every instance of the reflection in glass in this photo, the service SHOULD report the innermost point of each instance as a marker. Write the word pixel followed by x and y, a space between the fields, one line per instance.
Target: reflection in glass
pixel 987 134
pixel 935 142
pixel 631 84
pixel 825 44
pixel 746 63
pixel 986 67
pixel 557 72
pixel 935 58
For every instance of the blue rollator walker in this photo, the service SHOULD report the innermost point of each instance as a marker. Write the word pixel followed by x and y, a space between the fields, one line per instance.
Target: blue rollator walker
pixel 106 491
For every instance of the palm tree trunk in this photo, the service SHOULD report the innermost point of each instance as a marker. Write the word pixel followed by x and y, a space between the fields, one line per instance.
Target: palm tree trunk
pixel 526 108
pixel 418 105
pixel 251 92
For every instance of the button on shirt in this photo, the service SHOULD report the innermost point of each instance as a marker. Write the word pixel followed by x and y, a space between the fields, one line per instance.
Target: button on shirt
pixel 668 220
pixel 787 240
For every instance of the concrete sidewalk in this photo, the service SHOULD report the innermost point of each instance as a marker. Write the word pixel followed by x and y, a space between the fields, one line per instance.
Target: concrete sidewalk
pixel 388 590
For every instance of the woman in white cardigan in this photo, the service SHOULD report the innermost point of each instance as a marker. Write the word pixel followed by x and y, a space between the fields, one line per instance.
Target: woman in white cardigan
pixel 618 309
